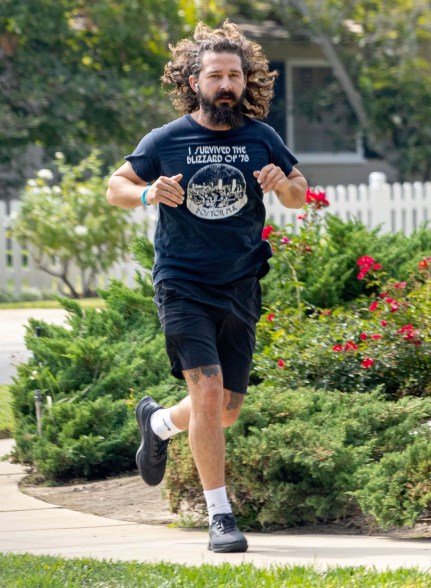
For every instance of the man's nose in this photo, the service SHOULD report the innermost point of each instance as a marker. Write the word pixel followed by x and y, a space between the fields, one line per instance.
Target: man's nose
pixel 226 84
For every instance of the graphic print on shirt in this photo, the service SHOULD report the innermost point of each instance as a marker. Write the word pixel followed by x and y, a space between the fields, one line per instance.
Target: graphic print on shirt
pixel 216 191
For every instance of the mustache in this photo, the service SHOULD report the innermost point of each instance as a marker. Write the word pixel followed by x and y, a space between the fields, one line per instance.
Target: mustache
pixel 229 95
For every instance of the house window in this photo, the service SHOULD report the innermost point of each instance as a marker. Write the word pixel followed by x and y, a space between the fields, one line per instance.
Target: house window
pixel 313 115
pixel 277 117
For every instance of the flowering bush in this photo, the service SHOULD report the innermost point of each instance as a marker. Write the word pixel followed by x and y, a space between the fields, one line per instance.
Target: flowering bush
pixel 353 350
pixel 315 263
pixel 292 250
pixel 380 340
pixel 70 222
pixel 317 198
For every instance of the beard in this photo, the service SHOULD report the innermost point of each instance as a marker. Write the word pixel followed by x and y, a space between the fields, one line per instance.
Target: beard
pixel 223 115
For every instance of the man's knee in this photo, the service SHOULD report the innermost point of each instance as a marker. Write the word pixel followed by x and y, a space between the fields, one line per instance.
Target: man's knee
pixel 232 407
pixel 229 418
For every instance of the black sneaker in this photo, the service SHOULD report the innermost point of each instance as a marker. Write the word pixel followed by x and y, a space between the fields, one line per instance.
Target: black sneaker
pixel 225 537
pixel 153 452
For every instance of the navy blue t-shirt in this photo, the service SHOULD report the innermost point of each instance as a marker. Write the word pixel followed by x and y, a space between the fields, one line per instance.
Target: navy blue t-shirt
pixel 215 236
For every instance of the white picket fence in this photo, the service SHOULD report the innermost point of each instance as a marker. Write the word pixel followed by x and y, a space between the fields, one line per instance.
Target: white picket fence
pixel 394 207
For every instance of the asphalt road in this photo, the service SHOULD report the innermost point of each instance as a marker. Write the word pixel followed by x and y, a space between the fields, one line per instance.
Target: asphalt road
pixel 12 332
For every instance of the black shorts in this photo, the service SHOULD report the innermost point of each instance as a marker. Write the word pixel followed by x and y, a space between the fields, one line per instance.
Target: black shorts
pixel 214 332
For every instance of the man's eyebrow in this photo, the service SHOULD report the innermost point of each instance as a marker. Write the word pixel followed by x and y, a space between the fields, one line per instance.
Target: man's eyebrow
pixel 233 70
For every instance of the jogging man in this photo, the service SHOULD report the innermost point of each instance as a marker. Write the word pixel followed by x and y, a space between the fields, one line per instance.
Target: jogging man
pixel 208 171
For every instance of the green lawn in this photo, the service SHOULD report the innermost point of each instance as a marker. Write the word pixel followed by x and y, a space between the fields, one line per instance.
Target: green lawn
pixel 85 302
pixel 6 419
pixel 28 571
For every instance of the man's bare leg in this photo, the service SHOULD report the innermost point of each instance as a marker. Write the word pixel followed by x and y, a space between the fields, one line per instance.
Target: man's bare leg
pixel 232 403
pixel 204 412
pixel 206 436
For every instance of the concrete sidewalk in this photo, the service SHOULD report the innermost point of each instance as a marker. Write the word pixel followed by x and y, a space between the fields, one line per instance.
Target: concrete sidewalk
pixel 28 525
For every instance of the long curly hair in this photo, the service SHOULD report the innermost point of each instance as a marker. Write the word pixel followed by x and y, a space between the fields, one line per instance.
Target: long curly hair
pixel 187 60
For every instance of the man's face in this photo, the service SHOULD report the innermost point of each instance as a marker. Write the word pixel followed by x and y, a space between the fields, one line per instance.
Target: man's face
pixel 221 86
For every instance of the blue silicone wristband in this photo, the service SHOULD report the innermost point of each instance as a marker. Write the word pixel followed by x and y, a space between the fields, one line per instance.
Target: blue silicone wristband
pixel 144 194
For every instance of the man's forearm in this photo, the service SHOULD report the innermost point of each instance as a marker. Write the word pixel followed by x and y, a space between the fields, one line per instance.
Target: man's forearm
pixel 124 193
pixel 292 192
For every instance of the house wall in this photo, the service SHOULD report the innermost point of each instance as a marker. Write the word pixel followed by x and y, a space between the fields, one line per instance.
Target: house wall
pixel 279 46
pixel 352 173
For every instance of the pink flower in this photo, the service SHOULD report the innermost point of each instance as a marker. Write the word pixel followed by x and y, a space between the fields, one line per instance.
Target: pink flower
pixel 374 305
pixel 267 231
pixel 367 362
pixel 350 345
pixel 405 329
pixel 394 306
pixel 363 336
pixel 400 285
pixel 365 261
pixel 301 216
pixel 383 323
pixel 337 348
pixel 284 240
pixel 317 198
pixel 376 336
pixel 281 363
pixel 410 334
pixel 271 316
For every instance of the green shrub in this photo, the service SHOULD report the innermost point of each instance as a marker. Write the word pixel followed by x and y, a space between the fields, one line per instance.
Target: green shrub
pixel 397 489
pixel 316 265
pixel 293 456
pixel 107 354
pixel 90 439
pixel 383 340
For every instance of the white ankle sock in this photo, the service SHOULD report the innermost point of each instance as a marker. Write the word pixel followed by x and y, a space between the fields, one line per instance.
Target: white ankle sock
pixel 162 425
pixel 217 502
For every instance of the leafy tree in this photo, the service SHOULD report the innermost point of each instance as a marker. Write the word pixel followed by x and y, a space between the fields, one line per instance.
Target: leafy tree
pixel 379 51
pixel 70 223
pixel 76 75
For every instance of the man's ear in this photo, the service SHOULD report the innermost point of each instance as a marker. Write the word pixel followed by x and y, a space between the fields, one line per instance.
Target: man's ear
pixel 194 84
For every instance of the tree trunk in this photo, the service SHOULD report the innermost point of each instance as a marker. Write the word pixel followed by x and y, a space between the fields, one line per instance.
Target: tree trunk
pixel 342 75
pixel 62 275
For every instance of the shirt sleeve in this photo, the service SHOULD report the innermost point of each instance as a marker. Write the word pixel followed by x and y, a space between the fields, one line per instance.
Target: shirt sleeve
pixel 144 160
pixel 281 155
